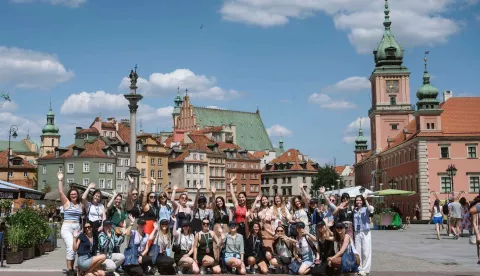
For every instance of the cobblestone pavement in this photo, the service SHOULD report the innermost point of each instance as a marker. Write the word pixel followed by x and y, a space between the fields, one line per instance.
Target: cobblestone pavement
pixel 414 251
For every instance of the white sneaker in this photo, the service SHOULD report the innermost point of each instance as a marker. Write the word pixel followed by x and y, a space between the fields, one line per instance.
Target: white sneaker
pixel 180 272
pixel 116 273
pixel 202 270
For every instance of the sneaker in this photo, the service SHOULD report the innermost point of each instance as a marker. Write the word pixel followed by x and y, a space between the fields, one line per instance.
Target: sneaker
pixel 202 270
pixel 116 273
pixel 180 272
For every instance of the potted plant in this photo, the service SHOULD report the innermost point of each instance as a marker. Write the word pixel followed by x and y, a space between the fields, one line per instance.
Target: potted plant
pixel 15 236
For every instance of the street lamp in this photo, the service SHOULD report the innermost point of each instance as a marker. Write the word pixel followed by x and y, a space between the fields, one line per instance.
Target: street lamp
pixel 12 132
pixel 381 186
pixel 371 188
pixel 451 172
pixel 392 183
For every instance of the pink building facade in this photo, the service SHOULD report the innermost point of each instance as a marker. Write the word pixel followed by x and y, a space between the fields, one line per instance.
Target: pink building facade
pixel 411 148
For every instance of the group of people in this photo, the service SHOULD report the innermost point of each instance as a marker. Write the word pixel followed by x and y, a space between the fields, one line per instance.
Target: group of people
pixel 169 236
pixel 461 216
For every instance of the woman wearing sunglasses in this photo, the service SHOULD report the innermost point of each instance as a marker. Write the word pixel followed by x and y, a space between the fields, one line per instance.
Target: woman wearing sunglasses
pixel 83 244
pixel 137 260
pixel 183 258
pixel 282 256
pixel 181 209
pixel 96 212
pixel 160 250
pixel 164 210
pixel 150 207
pixel 203 248
pixel 344 213
pixel 221 217
pixel 132 206
pixel 200 211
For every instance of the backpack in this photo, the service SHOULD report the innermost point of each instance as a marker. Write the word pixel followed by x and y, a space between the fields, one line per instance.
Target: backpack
pixel 445 209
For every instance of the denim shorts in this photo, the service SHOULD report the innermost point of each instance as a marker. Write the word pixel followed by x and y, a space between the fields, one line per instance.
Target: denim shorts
pixel 229 255
pixel 437 220
pixel 84 262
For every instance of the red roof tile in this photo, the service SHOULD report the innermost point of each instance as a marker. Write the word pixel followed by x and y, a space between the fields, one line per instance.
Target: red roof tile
pixel 259 154
pixel 4 157
pixel 108 125
pixel 91 130
pixel 124 132
pixel 292 156
pixel 339 169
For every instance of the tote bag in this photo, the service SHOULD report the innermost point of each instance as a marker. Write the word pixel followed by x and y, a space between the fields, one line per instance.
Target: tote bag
pixel 349 260
pixel 131 252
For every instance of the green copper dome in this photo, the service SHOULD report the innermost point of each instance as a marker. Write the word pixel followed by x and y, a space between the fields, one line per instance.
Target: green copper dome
pixel 361 141
pixel 427 94
pixel 178 103
pixel 50 128
pixel 389 52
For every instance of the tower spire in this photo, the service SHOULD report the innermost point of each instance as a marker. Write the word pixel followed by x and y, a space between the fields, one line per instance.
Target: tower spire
pixel 426 76
pixel 387 21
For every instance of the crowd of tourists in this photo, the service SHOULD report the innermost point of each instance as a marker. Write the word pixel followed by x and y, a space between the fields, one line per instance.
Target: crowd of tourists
pixel 306 235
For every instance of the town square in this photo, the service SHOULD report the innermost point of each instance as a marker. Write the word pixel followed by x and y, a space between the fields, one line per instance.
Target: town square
pixel 239 137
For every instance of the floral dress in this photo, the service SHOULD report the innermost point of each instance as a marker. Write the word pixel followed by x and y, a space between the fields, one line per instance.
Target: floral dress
pixel 466 222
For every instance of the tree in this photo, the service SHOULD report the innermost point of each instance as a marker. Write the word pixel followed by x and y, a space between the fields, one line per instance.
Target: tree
pixel 326 177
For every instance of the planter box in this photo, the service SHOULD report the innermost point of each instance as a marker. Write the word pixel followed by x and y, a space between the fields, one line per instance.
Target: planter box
pixel 15 257
pixel 28 253
pixel 39 250
pixel 48 247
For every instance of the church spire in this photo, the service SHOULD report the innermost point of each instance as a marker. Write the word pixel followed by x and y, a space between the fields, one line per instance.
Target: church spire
pixel 387 21
pixel 361 141
pixel 280 143
pixel 427 94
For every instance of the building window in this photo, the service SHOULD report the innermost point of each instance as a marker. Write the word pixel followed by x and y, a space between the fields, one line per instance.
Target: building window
pixel 102 168
pixel 127 162
pixel 119 175
pixel 159 161
pixel 201 183
pixel 86 167
pixel 152 173
pixel 101 183
pixel 393 100
pixel 110 168
pixel 119 188
pixel 474 184
pixel 188 168
pixel 86 181
pixel 44 169
pixel 25 174
pixel 70 168
pixel 109 184
pixel 445 184
pixel 194 183
pixel 119 162
pixel 243 176
pixel 152 161
pixel 304 180
pixel 143 159
pixel 428 125
pixel 159 174
pixel 201 169
pixel 126 149
pixel 70 180
pixel 394 126
pixel 143 172
pixel 194 157
pixel 472 151
pixel 194 168
pixel 444 152
pixel 244 188
pixel 188 184
pixel 139 146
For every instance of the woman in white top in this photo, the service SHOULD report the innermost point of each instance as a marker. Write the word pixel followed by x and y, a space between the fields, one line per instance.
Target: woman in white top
pixel 160 249
pixel 437 217
pixel 95 212
pixel 299 214
pixel 181 210
pixel 280 213
pixel 185 239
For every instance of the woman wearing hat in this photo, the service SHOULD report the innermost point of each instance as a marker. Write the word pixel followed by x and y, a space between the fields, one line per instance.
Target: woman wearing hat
pixel 200 211
pixel 160 250
pixel 344 241
pixel 305 248
pixel 136 259
pixel 234 249
pixel 203 248
pixel 109 239
pixel 181 210
pixel 282 250
pixel 183 258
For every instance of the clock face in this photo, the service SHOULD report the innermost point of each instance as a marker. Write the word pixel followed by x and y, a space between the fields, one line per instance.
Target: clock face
pixel 392 86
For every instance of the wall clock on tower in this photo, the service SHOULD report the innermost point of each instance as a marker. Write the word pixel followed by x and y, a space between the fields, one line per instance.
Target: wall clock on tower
pixel 392 86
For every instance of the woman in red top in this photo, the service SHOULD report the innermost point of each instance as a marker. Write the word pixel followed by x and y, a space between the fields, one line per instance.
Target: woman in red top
pixel 240 205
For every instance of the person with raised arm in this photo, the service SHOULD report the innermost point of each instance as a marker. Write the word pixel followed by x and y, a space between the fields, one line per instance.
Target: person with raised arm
pixel 221 217
pixel 200 211
pixel 280 214
pixel 95 212
pixel 266 227
pixel 72 214
pixel 203 253
pixel 330 206
pixel 89 264
pixel 183 258
pixel 160 249
pixel 109 240
pixel 132 206
pixel 363 236
pixel 240 205
pixel 115 211
pixel 149 207
pixel 181 209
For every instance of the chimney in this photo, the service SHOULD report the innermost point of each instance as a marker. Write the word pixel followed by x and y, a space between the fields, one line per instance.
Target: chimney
pixel 447 95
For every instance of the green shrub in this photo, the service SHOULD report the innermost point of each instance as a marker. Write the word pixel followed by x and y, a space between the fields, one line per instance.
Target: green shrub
pixel 35 226
pixel 16 236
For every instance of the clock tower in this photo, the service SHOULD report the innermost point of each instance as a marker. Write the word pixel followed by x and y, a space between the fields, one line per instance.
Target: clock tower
pixel 391 110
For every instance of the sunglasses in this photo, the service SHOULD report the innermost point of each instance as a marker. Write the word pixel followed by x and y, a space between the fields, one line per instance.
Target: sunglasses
pixel 135 194
pixel 88 227
pixel 162 197
pixel 151 197
pixel 164 224
pixel 205 223
pixel 183 197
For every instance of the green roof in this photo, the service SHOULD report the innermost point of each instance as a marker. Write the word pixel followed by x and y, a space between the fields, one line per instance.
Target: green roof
pixel 17 146
pixel 250 131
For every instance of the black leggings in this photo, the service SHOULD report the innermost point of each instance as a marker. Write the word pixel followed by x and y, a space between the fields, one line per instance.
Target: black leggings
pixel 165 265
pixel 140 269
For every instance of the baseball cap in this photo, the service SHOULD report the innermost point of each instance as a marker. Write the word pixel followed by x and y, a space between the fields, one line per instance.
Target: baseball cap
pixel 202 199
pixel 313 201
pixel 340 225
pixel 164 221
pixel 300 225
pixel 141 222
pixel 107 223
pixel 232 224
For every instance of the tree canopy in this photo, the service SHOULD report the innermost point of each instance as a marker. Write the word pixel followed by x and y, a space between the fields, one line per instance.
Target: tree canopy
pixel 327 177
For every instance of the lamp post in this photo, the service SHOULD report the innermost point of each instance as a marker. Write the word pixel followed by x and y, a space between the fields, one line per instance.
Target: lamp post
pixel 12 132
pixel 392 183
pixel 381 186
pixel 451 172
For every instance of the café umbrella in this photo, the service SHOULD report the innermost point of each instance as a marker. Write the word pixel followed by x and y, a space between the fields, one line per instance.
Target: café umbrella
pixel 394 192
pixel 13 191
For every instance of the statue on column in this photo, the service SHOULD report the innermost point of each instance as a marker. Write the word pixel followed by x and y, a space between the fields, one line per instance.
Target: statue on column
pixel 133 77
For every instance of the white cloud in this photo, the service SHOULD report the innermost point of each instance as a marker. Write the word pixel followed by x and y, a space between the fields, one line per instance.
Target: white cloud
pixel 88 103
pixel 24 125
pixel 8 106
pixel 31 69
pixel 278 130
pixel 68 3
pixel 328 103
pixel 349 84
pixel 414 22
pixel 199 86
pixel 351 131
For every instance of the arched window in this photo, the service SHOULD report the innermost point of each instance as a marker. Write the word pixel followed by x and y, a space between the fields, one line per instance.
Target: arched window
pixel 53 142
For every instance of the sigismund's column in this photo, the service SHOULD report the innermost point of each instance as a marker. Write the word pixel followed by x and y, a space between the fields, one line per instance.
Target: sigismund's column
pixel 133 99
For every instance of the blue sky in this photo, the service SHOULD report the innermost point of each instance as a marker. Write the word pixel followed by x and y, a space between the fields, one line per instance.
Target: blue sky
pixel 304 63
